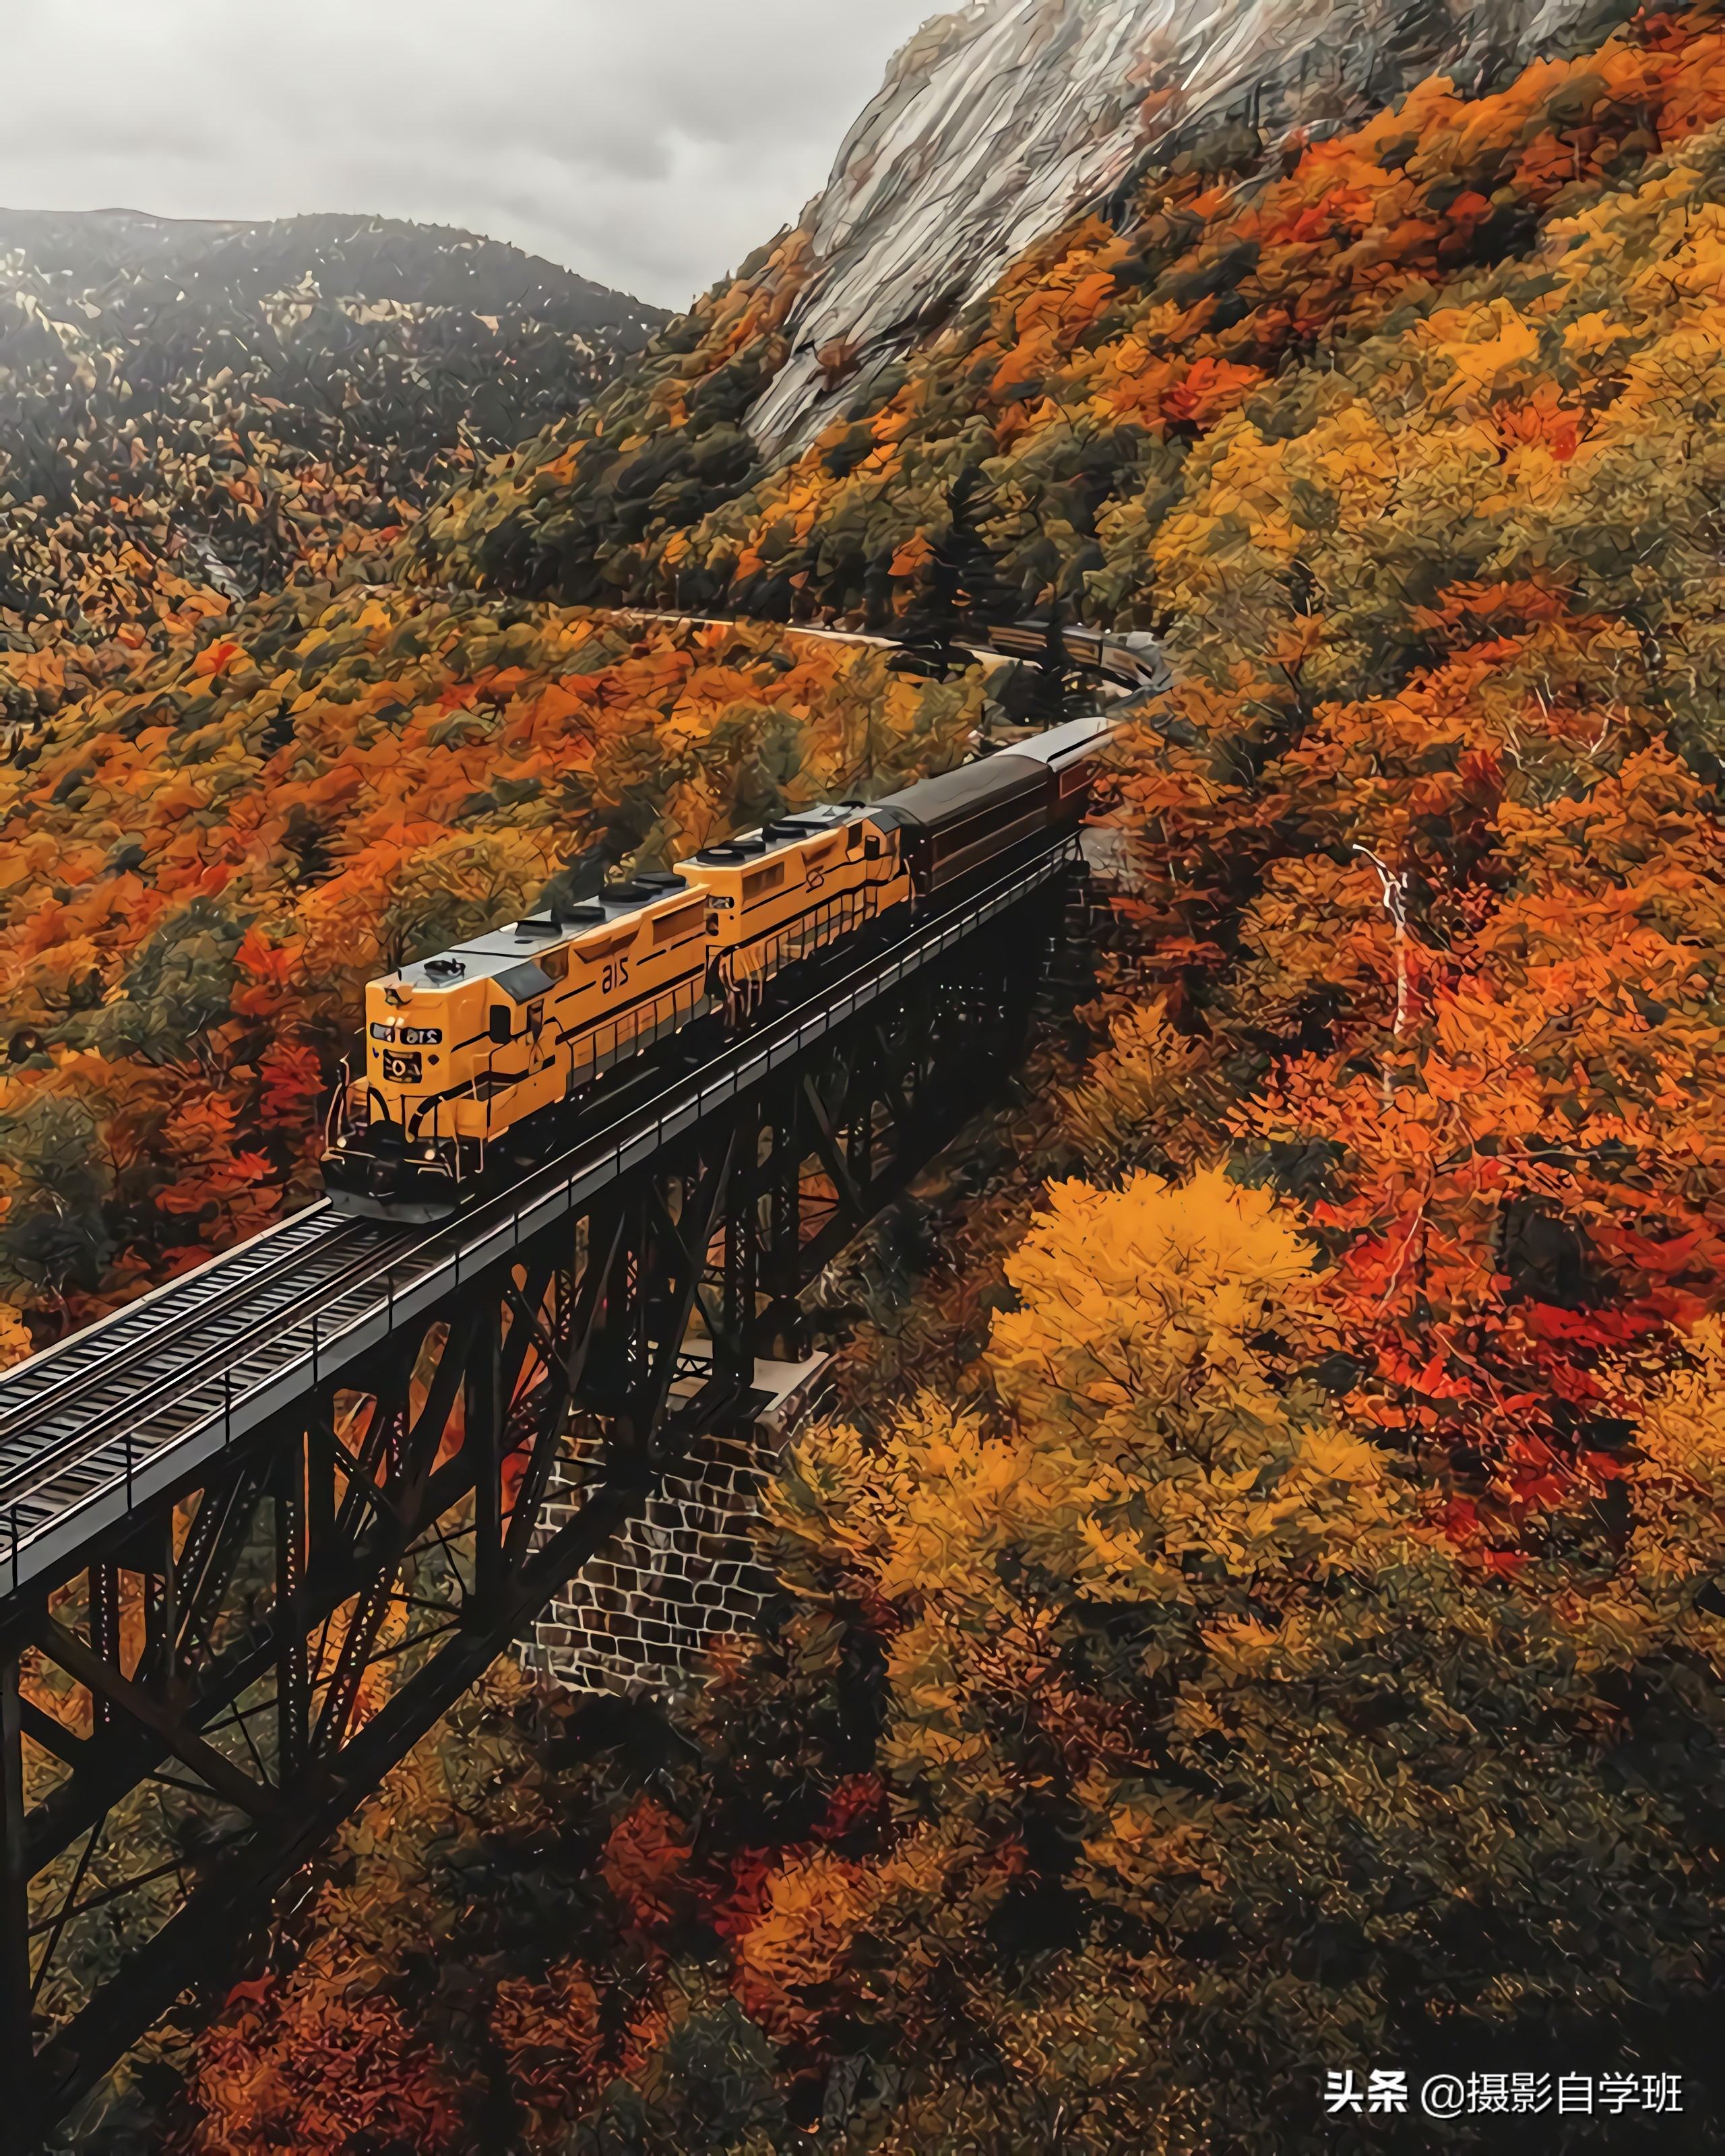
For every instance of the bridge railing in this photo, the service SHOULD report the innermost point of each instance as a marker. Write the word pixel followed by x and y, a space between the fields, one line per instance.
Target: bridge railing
pixel 400 1293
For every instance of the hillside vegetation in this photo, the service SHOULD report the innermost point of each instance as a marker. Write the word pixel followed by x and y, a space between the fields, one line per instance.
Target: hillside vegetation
pixel 201 873
pixel 1293 1641
pixel 224 408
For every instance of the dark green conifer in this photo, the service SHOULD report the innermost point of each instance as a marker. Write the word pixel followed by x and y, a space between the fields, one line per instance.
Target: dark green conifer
pixel 960 594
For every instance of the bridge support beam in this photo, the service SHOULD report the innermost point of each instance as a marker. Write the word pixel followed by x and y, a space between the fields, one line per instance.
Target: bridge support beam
pixel 190 1710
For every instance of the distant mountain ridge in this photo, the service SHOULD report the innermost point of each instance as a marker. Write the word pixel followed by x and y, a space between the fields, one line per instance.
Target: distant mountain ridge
pixel 352 257
pixel 192 391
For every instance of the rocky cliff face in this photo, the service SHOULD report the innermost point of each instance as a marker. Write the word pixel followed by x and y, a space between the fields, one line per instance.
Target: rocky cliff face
pixel 998 121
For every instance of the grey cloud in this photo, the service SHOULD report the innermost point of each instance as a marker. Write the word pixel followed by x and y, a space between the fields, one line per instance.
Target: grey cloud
pixel 649 143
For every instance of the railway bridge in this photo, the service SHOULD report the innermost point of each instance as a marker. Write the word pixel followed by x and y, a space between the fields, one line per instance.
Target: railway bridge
pixel 260 1530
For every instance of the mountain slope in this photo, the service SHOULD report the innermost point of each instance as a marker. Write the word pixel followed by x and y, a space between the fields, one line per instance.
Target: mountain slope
pixel 999 121
pixel 1079 384
pixel 230 405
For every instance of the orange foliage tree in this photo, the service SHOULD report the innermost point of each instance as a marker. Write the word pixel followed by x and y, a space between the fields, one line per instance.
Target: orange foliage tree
pixel 1304 1650
pixel 198 874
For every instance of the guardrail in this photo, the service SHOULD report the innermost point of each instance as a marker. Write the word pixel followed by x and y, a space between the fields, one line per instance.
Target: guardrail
pixel 115 1472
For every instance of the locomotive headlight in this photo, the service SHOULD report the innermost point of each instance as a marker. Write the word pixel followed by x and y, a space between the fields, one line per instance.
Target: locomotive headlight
pixel 383 1032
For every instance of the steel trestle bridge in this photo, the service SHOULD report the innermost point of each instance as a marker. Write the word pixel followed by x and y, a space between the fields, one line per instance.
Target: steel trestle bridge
pixel 260 1529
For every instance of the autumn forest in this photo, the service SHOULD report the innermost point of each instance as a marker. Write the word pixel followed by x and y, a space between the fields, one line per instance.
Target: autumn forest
pixel 1256 1603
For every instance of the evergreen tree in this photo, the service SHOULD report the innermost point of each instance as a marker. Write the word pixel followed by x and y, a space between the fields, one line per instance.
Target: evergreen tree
pixel 1038 691
pixel 1054 680
pixel 961 593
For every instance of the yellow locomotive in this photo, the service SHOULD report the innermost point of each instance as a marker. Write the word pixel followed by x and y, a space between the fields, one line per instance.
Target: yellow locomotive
pixel 475 1060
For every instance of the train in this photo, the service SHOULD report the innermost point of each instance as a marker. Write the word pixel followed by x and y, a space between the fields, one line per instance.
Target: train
pixel 1132 660
pixel 479 1061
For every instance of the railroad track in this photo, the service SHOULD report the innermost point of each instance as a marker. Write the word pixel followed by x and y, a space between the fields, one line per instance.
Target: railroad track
pixel 119 1414
pixel 90 1408
pixel 1135 671
pixel 85 1370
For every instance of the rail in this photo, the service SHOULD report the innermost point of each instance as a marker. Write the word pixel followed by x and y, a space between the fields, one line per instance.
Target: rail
pixel 1131 666
pixel 174 1412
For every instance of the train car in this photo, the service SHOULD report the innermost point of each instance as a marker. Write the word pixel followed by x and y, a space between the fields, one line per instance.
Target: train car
pixel 1133 660
pixel 465 1052
pixel 781 893
pixel 975 818
pixel 778 894
pixel 1068 755
pixel 474 1059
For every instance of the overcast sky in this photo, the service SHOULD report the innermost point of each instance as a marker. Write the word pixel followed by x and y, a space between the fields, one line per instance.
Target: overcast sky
pixel 650 143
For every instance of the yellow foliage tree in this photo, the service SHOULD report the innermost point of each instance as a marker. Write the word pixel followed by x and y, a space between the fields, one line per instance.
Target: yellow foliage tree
pixel 1204 1740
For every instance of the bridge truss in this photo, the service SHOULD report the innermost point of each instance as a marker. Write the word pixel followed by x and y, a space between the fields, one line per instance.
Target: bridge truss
pixel 257 1546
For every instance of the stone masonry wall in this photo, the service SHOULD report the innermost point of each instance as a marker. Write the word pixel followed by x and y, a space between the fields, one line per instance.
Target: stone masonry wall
pixel 640 1616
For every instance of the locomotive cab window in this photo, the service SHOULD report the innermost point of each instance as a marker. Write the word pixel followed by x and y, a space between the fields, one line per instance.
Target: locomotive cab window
pixel 759 881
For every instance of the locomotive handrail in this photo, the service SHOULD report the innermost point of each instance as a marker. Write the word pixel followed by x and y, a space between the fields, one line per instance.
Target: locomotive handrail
pixel 344 1087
